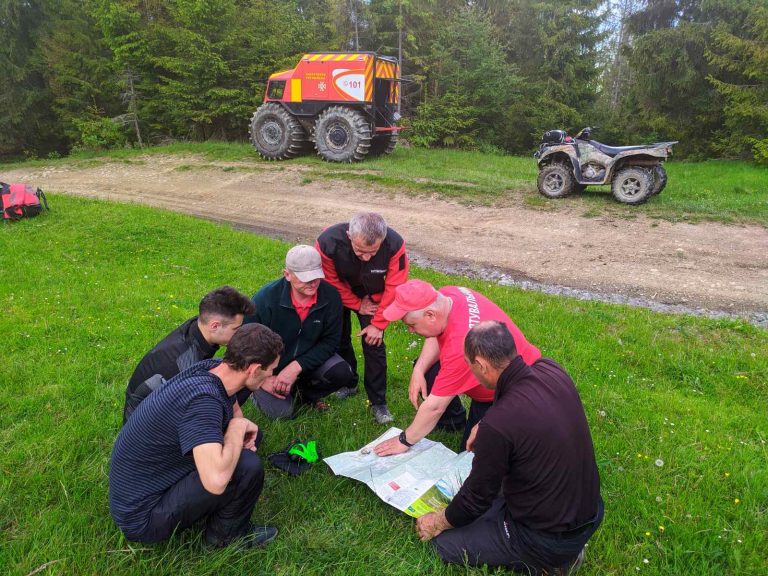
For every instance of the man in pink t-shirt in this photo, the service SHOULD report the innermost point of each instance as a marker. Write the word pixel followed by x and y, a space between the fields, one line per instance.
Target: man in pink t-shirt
pixel 444 317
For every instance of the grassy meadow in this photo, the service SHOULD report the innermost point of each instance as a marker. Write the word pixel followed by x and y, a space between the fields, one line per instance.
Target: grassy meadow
pixel 714 190
pixel 677 408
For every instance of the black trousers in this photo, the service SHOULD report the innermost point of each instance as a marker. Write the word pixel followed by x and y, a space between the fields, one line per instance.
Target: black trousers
pixel 333 374
pixel 494 540
pixel 375 376
pixel 455 416
pixel 226 515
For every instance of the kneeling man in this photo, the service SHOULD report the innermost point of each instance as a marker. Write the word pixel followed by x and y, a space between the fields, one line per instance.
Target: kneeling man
pixel 182 456
pixel 532 499
pixel 305 311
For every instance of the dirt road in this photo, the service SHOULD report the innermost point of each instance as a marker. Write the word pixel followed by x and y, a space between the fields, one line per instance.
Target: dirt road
pixel 708 266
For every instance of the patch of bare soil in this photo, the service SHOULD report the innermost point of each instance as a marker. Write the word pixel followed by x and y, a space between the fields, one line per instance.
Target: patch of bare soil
pixel 707 266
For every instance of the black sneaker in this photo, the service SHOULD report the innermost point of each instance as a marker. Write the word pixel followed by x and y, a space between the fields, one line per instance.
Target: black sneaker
pixel 254 536
pixel 257 536
pixel 345 392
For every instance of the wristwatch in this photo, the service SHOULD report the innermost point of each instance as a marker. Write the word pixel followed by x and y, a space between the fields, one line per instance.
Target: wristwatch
pixel 404 440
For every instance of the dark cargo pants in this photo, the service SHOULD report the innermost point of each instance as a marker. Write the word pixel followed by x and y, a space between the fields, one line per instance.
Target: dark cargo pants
pixel 375 375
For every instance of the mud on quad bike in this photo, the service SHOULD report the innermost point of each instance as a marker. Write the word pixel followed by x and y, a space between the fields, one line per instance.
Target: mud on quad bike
pixel 568 164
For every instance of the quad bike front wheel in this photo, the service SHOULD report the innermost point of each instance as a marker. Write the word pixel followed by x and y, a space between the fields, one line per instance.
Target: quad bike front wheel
pixel 632 185
pixel 342 135
pixel 276 134
pixel 659 179
pixel 555 181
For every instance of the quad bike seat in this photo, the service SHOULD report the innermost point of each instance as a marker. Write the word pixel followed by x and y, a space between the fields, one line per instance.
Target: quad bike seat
pixel 614 150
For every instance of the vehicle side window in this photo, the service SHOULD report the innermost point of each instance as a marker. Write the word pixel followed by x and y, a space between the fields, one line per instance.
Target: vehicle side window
pixel 275 89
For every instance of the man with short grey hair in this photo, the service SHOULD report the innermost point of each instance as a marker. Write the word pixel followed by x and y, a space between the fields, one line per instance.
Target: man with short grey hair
pixel 306 312
pixel 532 500
pixel 365 260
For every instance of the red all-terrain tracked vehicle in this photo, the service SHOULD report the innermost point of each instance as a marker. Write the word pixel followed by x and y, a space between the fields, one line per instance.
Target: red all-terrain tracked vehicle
pixel 346 103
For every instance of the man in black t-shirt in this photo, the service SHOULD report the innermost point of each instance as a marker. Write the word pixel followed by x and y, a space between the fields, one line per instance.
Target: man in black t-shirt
pixel 221 312
pixel 532 499
pixel 182 456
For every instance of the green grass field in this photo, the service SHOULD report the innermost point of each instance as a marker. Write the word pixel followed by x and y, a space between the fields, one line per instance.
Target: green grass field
pixel 715 190
pixel 677 407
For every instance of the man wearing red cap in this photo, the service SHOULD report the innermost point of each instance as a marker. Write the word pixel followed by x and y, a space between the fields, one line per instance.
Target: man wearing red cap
pixel 440 374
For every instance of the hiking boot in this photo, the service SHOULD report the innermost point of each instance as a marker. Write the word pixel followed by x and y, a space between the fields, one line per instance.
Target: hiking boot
pixel 321 406
pixel 254 536
pixel 381 413
pixel 345 392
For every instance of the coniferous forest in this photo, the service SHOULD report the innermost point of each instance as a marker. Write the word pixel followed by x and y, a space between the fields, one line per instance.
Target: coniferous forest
pixel 481 74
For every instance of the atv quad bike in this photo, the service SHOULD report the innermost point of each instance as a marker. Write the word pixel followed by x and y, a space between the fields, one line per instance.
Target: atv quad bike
pixel 568 164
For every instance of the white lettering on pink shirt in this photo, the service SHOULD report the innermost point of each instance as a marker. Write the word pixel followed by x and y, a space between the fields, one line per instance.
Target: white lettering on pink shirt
pixel 474 311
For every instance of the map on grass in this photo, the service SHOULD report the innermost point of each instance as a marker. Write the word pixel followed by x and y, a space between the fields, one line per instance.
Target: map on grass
pixel 423 479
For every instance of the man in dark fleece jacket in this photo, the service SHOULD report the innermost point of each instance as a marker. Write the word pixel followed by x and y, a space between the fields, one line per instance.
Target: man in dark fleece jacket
pixel 532 499
pixel 221 312
pixel 306 312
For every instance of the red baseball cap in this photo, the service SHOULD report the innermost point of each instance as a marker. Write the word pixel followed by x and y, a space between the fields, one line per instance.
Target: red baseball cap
pixel 413 295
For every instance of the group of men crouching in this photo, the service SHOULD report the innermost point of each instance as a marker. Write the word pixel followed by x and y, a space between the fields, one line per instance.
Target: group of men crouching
pixel 186 453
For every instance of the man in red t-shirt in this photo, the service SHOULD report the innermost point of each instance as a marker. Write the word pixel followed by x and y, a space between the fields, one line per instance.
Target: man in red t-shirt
pixel 441 374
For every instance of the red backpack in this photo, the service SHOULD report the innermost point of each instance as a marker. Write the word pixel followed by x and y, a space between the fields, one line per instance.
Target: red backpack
pixel 21 200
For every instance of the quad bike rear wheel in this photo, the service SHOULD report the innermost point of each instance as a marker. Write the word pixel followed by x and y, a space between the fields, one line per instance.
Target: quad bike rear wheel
pixel 659 179
pixel 342 135
pixel 632 185
pixel 276 134
pixel 555 181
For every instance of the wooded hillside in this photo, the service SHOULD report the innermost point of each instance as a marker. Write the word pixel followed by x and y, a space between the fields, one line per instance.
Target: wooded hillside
pixel 484 74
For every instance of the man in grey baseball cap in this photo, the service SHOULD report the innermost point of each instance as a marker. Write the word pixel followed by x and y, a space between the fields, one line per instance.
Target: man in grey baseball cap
pixel 305 263
pixel 305 311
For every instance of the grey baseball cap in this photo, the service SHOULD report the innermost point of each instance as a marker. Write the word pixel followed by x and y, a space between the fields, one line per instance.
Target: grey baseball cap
pixel 304 261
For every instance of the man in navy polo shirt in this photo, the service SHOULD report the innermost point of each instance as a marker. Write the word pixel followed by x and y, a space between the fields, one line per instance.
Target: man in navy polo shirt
pixel 182 456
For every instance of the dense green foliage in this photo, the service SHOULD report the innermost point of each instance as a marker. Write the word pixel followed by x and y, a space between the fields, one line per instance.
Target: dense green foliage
pixel 675 404
pixel 488 74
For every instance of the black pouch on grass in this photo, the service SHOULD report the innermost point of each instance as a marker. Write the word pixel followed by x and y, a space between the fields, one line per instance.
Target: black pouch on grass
pixel 291 463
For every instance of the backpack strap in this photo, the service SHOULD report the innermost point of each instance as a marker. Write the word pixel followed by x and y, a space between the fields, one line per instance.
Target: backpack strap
pixel 41 196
